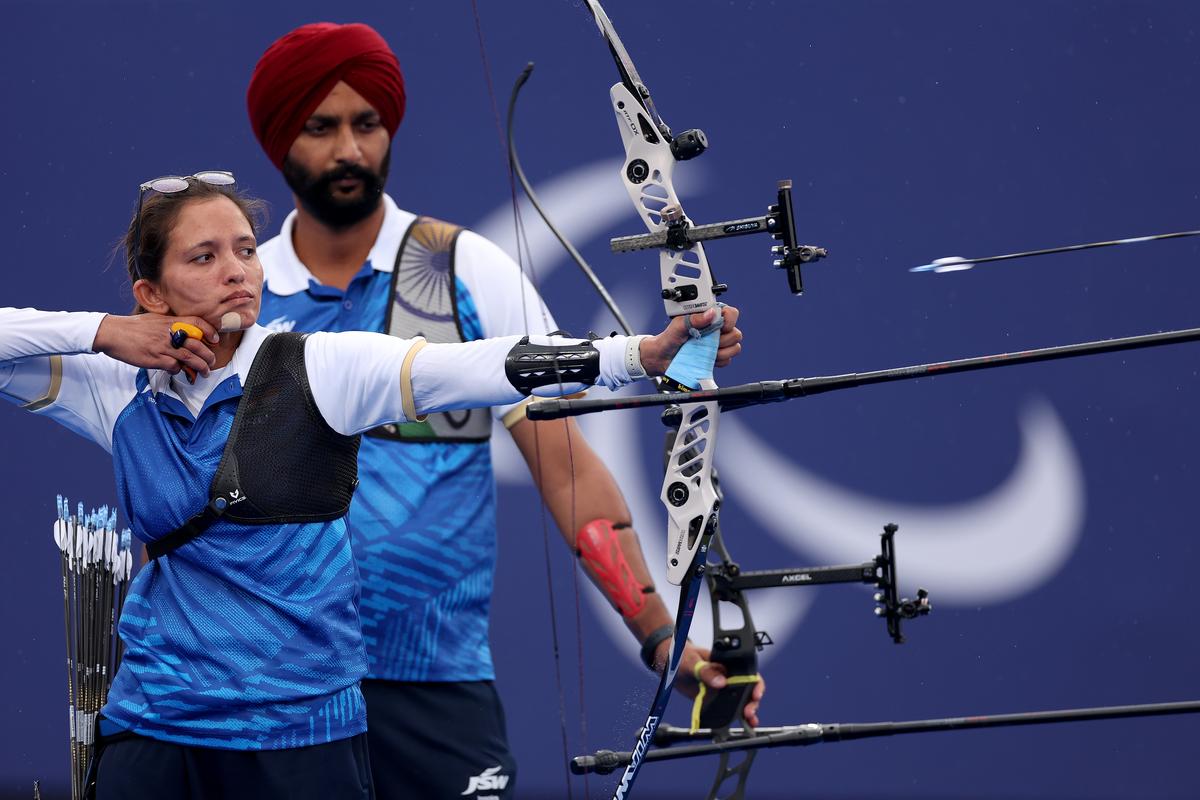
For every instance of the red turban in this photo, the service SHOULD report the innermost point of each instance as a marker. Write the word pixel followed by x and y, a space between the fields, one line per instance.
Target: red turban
pixel 299 70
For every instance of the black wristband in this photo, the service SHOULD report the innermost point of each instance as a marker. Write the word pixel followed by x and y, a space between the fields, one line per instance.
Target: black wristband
pixel 651 643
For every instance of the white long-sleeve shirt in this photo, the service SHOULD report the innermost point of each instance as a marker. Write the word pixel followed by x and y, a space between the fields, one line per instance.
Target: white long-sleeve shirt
pixel 47 364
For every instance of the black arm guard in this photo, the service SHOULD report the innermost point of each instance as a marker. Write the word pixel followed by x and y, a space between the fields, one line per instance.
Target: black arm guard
pixel 530 366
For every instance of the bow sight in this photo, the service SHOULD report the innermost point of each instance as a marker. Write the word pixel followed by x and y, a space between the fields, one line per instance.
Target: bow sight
pixel 647 172
pixel 727 579
pixel 680 234
pixel 736 649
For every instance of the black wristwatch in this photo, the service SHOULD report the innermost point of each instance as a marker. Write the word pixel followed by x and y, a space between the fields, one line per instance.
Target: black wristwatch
pixel 651 643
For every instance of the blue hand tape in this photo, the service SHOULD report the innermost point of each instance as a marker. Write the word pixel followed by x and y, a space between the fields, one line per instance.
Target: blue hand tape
pixel 694 361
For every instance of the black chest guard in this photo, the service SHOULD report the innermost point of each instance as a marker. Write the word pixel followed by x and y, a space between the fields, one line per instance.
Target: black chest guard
pixel 282 462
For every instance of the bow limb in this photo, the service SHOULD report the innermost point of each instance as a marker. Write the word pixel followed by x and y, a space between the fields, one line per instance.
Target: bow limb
pixel 735 648
pixel 629 74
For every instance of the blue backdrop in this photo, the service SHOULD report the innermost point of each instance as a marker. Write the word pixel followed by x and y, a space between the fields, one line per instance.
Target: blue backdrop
pixel 1047 508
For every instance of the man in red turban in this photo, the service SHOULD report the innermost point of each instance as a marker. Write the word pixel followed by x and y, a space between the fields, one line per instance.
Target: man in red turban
pixel 304 71
pixel 325 101
pixel 299 70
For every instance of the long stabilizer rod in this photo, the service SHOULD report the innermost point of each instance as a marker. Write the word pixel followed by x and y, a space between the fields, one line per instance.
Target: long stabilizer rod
pixel 748 394
pixel 606 761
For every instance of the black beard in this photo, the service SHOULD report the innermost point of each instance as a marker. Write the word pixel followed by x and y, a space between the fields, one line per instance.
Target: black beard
pixel 318 198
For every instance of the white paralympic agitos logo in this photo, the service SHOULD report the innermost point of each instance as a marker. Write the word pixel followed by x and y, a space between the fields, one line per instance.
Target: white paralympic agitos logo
pixel 1027 526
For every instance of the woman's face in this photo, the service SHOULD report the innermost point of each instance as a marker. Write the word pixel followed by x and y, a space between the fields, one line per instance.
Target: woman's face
pixel 210 268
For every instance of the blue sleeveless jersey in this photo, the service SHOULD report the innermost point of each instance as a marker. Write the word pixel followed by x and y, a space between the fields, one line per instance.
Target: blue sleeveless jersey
pixel 423 520
pixel 247 637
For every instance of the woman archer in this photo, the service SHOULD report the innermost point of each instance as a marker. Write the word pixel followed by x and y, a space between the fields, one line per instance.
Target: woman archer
pixel 243 649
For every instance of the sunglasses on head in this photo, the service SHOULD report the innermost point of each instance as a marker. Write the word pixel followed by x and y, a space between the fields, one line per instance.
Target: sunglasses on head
pixel 170 184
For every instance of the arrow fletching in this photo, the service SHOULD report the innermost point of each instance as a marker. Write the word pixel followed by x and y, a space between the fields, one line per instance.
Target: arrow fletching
pixel 947 264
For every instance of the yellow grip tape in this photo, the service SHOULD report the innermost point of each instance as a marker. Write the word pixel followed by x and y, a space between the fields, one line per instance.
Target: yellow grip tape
pixel 736 680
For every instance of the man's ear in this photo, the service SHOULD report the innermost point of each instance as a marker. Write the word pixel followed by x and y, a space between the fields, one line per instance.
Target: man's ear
pixel 147 296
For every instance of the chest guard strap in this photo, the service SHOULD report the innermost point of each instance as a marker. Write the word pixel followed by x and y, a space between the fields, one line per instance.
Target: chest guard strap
pixel 282 462
pixel 424 302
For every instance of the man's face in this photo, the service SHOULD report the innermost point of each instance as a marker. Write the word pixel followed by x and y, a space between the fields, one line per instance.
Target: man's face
pixel 338 164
